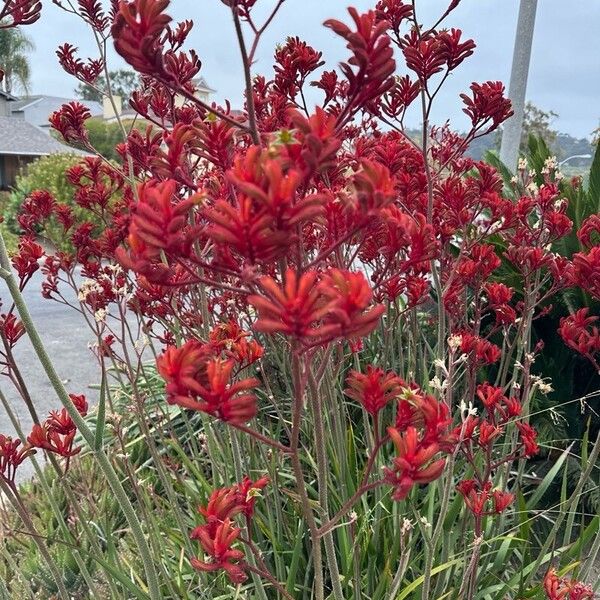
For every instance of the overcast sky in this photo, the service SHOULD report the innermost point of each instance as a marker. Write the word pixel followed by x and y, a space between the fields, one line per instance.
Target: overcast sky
pixel 564 77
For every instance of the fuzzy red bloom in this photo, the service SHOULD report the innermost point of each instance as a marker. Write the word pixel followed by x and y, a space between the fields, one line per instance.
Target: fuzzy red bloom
pixel 158 223
pixel 317 140
pixel 426 55
pixel 294 62
pixel 483 351
pixel 230 339
pixel 341 298
pixel 57 433
pixel 19 12
pixel 502 500
pixel 562 588
pixel 413 464
pixel 11 329
pixel 401 96
pixel 373 389
pixel 586 271
pixel 528 436
pixel 219 533
pixel 25 261
pixel 197 381
pixel 350 296
pixel 226 503
pixel 487 106
pixel 394 12
pixel 261 222
pixel 580 332
pixel 11 456
pixel 589 227
pixel 476 498
pixel 88 71
pixel 70 120
pixel 217 545
pixel 372 59
pixel 455 50
pixel 51 440
pixel 137 31
pixel 488 433
pixel 490 396
pixel 374 187
pixel 295 310
pixel 248 491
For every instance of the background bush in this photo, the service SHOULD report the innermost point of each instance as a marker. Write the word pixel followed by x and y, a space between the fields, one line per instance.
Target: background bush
pixel 45 173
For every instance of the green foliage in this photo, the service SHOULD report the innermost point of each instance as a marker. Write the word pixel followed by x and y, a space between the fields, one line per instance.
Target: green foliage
pixel 518 546
pixel 572 376
pixel 10 239
pixel 123 82
pixel 45 173
pixel 104 136
pixel 14 46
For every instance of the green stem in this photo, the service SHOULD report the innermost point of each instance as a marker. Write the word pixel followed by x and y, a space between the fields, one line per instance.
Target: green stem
pixel 13 495
pixel 322 480
pixel 87 434
pixel 299 388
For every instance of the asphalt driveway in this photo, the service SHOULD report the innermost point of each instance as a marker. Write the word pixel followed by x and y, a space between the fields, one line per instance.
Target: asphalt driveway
pixel 66 336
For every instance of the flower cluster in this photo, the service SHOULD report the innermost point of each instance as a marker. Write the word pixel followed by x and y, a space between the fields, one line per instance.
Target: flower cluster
pixel 199 376
pixel 12 454
pixel 219 532
pixel 57 433
pixel 563 588
pixel 420 433
pixel 312 309
pixel 499 413
pixel 343 244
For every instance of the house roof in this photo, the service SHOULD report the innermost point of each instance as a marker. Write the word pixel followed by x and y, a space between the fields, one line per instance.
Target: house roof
pixel 201 84
pixel 23 103
pixel 20 138
pixel 8 96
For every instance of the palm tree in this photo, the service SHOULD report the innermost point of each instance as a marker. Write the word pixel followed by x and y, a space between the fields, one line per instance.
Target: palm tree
pixel 14 46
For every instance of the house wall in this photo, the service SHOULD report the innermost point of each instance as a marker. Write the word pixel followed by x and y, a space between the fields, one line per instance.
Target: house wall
pixel 10 167
pixel 39 112
pixel 4 107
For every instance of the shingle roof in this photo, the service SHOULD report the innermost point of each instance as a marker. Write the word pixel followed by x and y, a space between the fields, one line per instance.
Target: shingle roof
pixel 18 137
pixel 21 103
pixel 200 83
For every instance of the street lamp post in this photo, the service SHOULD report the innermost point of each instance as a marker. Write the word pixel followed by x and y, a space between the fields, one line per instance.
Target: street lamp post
pixel 511 134
pixel 562 162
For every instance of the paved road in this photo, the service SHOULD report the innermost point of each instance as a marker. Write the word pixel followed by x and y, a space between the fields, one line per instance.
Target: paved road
pixel 66 336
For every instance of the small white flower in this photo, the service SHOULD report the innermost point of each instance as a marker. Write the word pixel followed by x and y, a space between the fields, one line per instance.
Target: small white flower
pixel 440 364
pixel 454 342
pixel 437 384
pixel 522 166
pixel 142 342
pixel 100 315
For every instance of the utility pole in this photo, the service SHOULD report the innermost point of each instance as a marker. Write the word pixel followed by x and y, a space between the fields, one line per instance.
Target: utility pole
pixel 511 134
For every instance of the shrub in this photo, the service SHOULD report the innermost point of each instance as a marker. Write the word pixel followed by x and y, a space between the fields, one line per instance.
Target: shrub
pixel 315 382
pixel 45 173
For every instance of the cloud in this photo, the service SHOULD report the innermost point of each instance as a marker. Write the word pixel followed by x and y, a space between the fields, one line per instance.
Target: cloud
pixel 564 77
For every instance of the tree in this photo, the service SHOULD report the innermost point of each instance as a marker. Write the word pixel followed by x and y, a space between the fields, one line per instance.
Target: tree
pixel 538 122
pixel 14 46
pixel 122 83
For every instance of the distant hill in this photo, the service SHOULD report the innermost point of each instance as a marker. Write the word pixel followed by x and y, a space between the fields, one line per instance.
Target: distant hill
pixel 565 145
